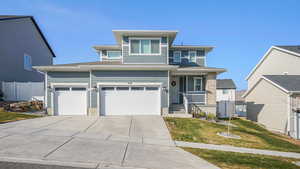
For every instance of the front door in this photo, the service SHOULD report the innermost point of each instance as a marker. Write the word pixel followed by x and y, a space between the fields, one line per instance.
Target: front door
pixel 174 86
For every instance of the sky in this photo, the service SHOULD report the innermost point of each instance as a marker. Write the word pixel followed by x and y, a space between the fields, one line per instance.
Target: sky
pixel 241 31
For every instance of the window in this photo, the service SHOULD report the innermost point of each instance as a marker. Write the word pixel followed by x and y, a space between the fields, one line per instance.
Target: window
pixel 192 55
pixel 107 88
pixel 197 84
pixel 177 56
pixel 225 91
pixel 151 88
pixel 114 54
pixel 144 46
pixel 122 88
pixel 62 89
pixel 78 89
pixel 27 62
pixel 137 88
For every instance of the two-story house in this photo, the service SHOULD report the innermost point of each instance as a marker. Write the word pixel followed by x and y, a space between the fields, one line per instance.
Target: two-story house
pixel 143 74
pixel 22 45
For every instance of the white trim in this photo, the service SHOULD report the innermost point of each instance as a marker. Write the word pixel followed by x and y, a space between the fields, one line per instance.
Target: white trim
pixel 116 58
pixel 90 90
pixel 167 50
pixel 265 56
pixel 144 63
pixel 288 113
pixel 140 46
pixel 169 88
pixel 128 84
pixel 180 56
pixel 46 90
pixel 69 84
pixel 197 78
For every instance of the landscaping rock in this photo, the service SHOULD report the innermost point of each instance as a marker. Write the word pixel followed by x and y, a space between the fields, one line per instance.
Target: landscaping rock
pixel 24 106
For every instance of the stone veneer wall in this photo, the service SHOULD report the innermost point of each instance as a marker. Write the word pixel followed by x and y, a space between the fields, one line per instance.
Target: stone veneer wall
pixel 210 87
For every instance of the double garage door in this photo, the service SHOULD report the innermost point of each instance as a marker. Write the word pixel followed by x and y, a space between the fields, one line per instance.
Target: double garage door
pixel 113 100
pixel 130 100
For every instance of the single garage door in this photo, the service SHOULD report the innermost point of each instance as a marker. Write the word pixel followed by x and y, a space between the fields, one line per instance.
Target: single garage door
pixel 134 100
pixel 70 101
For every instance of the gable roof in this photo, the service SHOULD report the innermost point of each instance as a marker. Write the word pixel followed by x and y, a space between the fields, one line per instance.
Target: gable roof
pixel 12 17
pixel 286 83
pixel 295 49
pixel 225 84
pixel 288 49
pixel 290 83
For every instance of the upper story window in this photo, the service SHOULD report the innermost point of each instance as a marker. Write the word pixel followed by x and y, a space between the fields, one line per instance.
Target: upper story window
pixel 192 56
pixel 177 56
pixel 144 46
pixel 27 62
pixel 114 54
pixel 198 84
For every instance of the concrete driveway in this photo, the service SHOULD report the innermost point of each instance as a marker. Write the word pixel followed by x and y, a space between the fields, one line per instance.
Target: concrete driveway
pixel 95 142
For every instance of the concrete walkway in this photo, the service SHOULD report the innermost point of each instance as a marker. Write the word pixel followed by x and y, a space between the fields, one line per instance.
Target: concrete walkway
pixel 237 149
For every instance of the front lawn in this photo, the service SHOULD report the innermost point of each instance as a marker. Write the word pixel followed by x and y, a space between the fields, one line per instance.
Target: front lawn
pixel 232 160
pixel 252 135
pixel 14 116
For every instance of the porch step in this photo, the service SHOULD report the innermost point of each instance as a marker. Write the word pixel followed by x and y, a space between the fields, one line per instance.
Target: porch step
pixel 177 107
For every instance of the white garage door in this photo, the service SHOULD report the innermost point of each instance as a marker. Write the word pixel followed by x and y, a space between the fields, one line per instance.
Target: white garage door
pixel 124 100
pixel 70 101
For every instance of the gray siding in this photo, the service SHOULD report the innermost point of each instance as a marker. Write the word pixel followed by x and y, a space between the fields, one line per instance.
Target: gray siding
pixel 160 59
pixel 18 37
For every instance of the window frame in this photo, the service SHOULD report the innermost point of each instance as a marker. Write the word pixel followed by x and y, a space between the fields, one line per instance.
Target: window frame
pixel 225 91
pixel 114 51
pixel 25 66
pixel 192 51
pixel 195 83
pixel 140 46
pixel 177 51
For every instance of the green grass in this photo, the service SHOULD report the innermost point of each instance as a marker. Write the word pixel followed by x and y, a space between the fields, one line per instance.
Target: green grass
pixel 232 160
pixel 252 135
pixel 14 116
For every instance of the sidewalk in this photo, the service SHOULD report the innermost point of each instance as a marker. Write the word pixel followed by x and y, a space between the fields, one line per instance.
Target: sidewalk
pixel 237 149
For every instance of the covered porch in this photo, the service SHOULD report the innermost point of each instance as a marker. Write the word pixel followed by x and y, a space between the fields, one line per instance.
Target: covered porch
pixel 193 86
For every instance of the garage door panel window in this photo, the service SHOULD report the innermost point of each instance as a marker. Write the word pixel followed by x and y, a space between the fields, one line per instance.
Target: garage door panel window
pixel 137 88
pixel 107 88
pixel 151 88
pixel 78 89
pixel 122 88
pixel 62 89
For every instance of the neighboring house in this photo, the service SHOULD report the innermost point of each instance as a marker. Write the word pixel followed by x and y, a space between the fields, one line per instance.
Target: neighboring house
pixel 225 97
pixel 272 90
pixel 22 45
pixel 240 104
pixel 143 74
pixel 225 90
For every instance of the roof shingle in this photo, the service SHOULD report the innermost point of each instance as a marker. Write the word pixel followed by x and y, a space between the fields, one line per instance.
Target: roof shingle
pixel 295 48
pixel 225 84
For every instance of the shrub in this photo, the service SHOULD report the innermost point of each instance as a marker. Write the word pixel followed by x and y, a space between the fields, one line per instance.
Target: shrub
pixel 199 115
pixel 211 116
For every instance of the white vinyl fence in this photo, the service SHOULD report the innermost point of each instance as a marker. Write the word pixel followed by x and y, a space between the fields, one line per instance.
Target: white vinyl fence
pixel 23 91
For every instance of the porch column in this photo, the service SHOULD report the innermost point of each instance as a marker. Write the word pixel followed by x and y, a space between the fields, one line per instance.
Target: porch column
pixel 210 88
